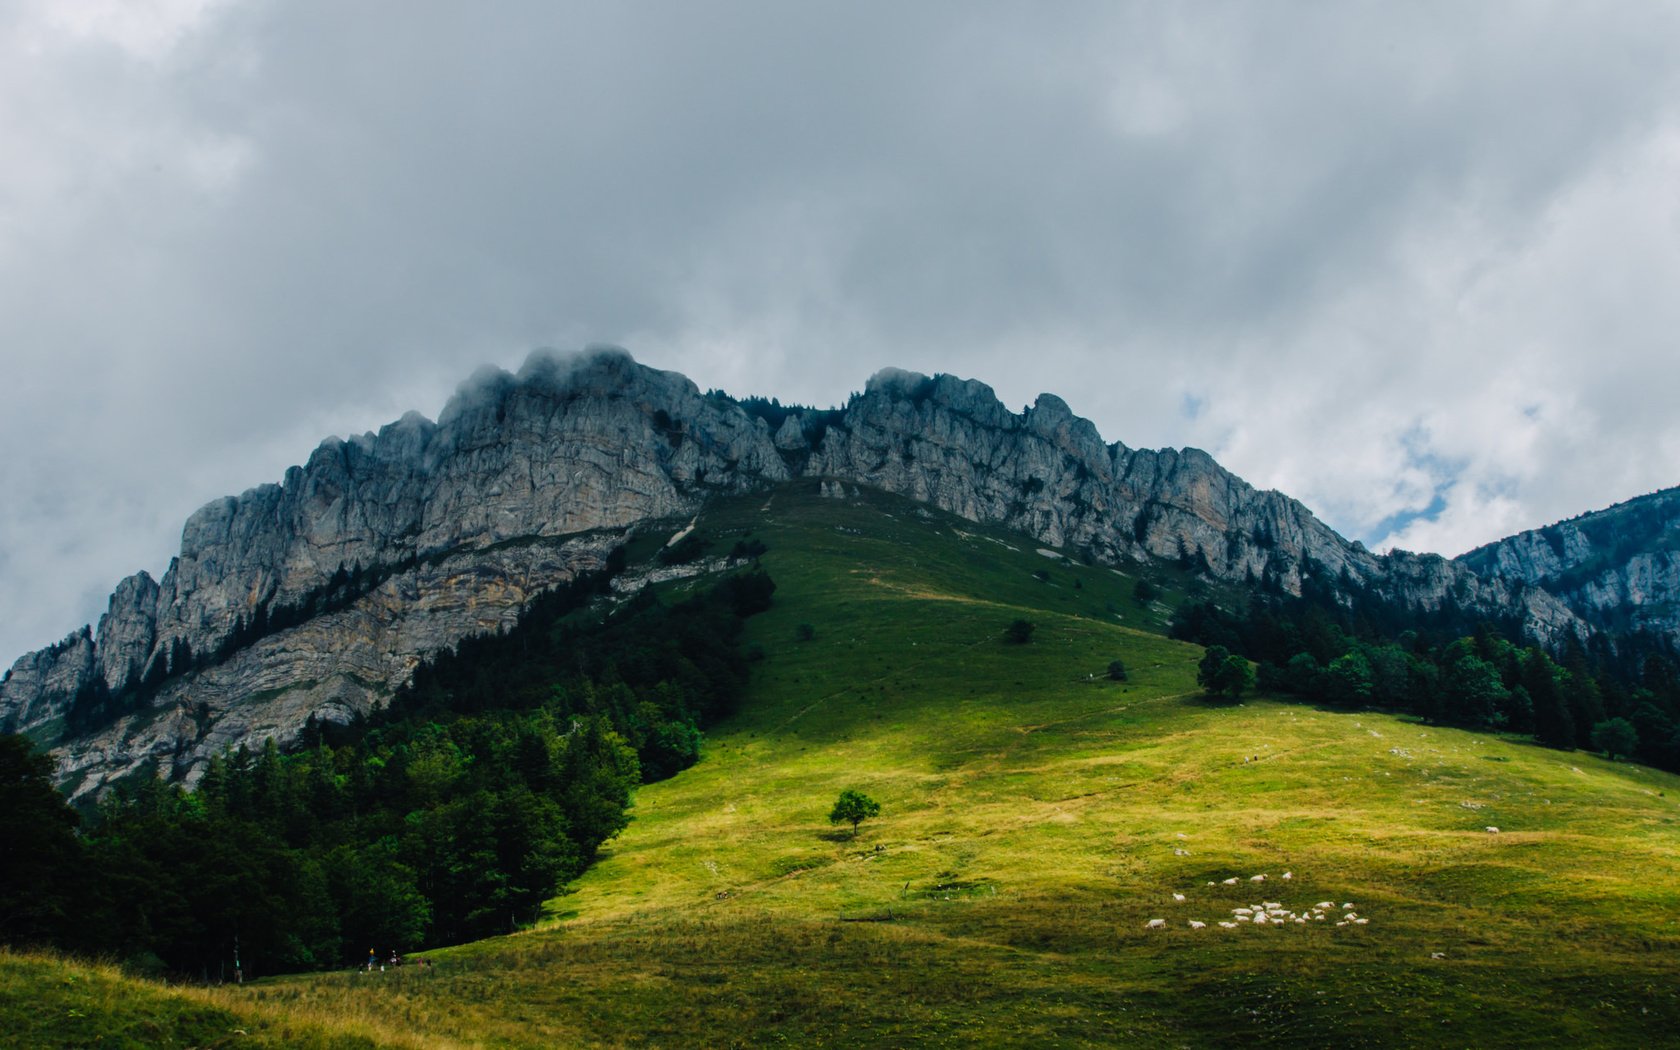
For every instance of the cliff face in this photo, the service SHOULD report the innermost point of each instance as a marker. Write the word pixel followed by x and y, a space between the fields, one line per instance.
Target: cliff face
pixel 422 513
pixel 1617 568
pixel 319 595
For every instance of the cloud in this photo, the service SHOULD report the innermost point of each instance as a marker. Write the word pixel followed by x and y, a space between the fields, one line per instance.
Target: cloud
pixel 1413 264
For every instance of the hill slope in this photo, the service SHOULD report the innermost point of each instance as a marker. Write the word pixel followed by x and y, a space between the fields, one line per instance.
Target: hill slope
pixel 1036 817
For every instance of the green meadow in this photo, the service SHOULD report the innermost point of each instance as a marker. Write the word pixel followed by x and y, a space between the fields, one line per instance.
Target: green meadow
pixel 1035 817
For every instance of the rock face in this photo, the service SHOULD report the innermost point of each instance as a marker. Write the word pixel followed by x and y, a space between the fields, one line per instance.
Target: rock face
pixel 1617 568
pixel 454 523
pixel 1047 473
pixel 318 596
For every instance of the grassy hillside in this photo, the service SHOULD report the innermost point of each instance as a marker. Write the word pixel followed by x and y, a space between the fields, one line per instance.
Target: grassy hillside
pixel 1035 818
pixel 49 1001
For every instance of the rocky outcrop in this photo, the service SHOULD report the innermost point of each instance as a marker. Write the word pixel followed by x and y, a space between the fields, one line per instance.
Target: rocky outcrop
pixel 37 690
pixel 319 595
pixel 1617 568
pixel 331 667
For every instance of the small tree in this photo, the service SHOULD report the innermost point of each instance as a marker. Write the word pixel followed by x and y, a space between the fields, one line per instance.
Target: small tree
pixel 853 807
pixel 1616 736
pixel 1117 670
pixel 1223 672
pixel 1145 592
pixel 804 632
pixel 1019 633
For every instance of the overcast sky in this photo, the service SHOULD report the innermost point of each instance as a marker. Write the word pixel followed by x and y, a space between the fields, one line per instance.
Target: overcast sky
pixel 1415 264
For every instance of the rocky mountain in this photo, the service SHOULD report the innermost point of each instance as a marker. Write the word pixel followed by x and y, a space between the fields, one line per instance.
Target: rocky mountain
pixel 1617 568
pixel 317 597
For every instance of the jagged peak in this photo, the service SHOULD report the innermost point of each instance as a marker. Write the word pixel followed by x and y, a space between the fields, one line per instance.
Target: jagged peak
pixel 968 396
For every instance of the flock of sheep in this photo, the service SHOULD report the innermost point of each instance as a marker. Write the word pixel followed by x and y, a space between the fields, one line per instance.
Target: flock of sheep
pixel 1271 913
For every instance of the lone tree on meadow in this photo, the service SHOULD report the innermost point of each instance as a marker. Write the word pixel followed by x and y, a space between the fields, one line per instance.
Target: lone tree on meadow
pixel 853 807
pixel 1019 633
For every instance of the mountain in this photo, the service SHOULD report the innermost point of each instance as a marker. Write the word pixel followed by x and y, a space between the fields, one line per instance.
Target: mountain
pixel 1617 568
pixel 1061 858
pixel 316 598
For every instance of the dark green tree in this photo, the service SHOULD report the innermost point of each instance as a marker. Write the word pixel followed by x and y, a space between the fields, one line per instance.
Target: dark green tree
pixel 38 846
pixel 1117 670
pixel 1615 736
pixel 1474 692
pixel 1350 679
pixel 853 807
pixel 1019 632
pixel 1544 681
pixel 1222 672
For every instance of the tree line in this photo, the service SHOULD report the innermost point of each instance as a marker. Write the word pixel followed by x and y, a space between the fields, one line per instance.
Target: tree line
pixel 1623 698
pixel 451 813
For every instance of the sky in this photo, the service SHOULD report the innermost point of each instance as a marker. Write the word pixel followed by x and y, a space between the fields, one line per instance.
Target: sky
pixel 1414 264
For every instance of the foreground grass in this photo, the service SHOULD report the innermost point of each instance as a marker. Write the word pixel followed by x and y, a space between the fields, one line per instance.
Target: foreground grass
pixel 1034 818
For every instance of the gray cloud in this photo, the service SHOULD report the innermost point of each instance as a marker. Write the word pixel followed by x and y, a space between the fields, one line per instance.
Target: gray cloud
pixel 1413 264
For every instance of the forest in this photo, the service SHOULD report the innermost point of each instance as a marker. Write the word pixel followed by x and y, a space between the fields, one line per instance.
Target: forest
pixel 450 814
pixel 1620 696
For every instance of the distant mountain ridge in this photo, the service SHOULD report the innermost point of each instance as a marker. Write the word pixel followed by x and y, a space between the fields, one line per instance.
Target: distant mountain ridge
pixel 1617 568
pixel 318 597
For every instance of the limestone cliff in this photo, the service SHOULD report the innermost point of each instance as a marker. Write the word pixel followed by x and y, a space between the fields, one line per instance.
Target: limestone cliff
pixel 319 595
pixel 1617 568
pixel 380 550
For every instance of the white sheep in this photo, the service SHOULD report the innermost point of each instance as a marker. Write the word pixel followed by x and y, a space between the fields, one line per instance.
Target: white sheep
pixel 1326 905
pixel 1242 911
pixel 1362 921
pixel 1287 875
pixel 1346 906
pixel 1492 830
pixel 1260 919
pixel 1155 924
pixel 1257 878
pixel 1228 925
pixel 1194 925
pixel 1232 881
pixel 1179 897
pixel 1270 905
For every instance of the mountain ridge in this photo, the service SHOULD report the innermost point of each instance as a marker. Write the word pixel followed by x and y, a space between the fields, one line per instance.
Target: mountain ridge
pixel 316 597
pixel 1616 568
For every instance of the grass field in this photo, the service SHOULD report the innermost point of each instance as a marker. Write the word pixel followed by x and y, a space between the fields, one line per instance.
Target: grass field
pixel 1035 818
